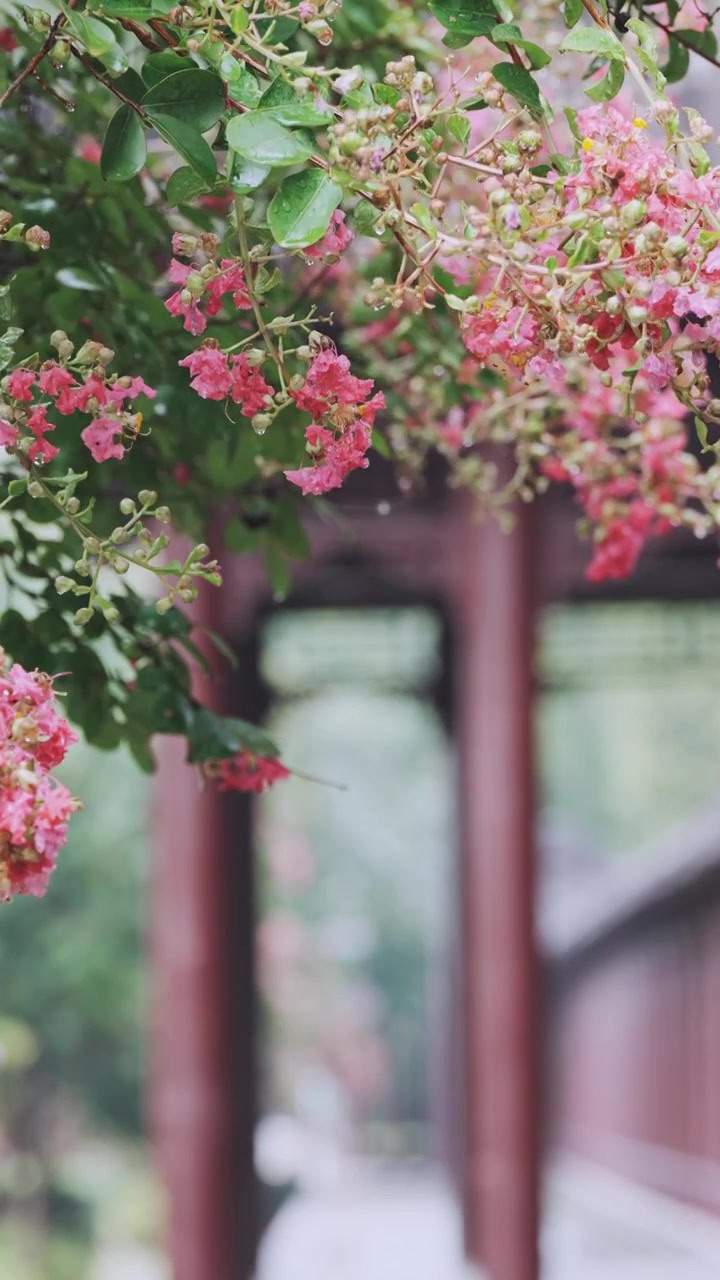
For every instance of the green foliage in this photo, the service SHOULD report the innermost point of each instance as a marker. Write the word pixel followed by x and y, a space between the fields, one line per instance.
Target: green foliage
pixel 300 211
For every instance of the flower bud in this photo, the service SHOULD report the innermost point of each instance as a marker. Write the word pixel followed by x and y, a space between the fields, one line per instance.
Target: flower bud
pixel 112 614
pixel 147 497
pixel 633 212
pixel 127 507
pixel 255 357
pixel 73 506
pixel 164 605
pixel 83 568
pixel 82 616
pixel 321 30
pixel 37 238
pixel 260 423
pixel 63 584
pixel 6 220
pixel 162 514
pixel 35 490
pixel 89 352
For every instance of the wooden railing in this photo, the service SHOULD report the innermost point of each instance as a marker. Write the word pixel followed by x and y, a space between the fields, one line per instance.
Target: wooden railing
pixel 633 1025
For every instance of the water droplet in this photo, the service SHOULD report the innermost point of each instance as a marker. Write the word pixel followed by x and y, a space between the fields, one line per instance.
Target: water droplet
pixel 384 508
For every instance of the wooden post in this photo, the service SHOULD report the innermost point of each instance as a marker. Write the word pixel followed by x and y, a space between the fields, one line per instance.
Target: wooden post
pixel 202 1089
pixel 494 701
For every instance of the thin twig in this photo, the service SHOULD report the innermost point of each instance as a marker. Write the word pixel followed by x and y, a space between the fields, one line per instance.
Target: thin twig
pixel 103 79
pixel 140 33
pixel 31 66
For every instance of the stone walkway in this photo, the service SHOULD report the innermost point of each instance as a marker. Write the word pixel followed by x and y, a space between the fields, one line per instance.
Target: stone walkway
pixel 401 1227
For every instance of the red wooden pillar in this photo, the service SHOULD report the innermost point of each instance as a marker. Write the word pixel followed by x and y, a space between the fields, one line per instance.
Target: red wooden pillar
pixel 494 697
pixel 202 1089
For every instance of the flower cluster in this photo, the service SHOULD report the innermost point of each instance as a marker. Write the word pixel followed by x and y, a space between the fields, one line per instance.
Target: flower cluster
pixel 217 376
pixel 34 807
pixel 248 772
pixel 343 417
pixel 204 287
pixel 70 386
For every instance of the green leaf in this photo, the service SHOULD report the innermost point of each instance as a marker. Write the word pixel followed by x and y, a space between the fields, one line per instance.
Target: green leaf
pixel 98 39
pixel 703 41
pixel 246 175
pixel 283 104
pixel 213 737
pixel 380 445
pixel 141 10
pixel 241 82
pixel 702 433
pixel 593 40
pixel 520 84
pixel 300 211
pixel 610 85
pixel 239 19
pixel 183 185
pixel 263 140
pixel 188 143
pixel 161 65
pixel 676 67
pixel 459 126
pixel 195 97
pixel 572 12
pixel 124 151
pixel 507 33
pixel 465 18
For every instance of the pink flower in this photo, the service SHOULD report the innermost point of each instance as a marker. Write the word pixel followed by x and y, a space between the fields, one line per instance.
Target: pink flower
pixel 8 434
pixel 20 383
pixel 89 149
pixel 248 387
pixel 92 389
pixel 117 393
pixel 334 242
pixel 7 40
pixel 34 807
pixel 617 554
pixel 249 772
pixel 330 383
pixel 335 459
pixel 100 439
pixel 211 377
pixel 41 450
pixel 54 378
pixel 231 279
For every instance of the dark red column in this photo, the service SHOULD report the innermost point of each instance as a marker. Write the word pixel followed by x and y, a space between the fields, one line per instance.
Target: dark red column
pixel 202 1089
pixel 494 703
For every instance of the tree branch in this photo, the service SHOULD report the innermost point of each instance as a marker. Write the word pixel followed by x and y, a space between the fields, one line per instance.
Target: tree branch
pixel 31 66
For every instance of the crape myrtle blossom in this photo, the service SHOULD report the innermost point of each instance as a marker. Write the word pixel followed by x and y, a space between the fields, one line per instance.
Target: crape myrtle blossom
pixel 217 376
pixel 29 394
pixel 34 807
pixel 343 417
pixel 247 772
pixel 203 288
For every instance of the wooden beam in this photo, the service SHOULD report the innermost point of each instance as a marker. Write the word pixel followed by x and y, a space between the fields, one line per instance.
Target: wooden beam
pixel 494 717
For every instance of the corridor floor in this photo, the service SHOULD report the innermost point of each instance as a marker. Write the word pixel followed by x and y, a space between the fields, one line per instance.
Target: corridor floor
pixel 377 1226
